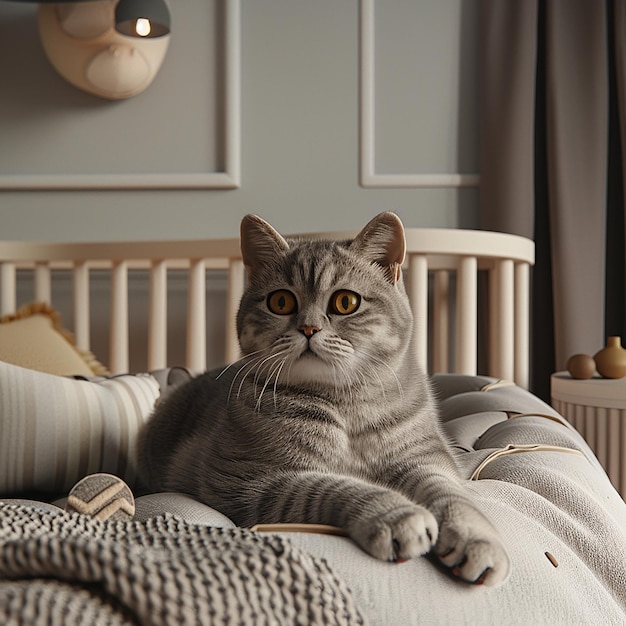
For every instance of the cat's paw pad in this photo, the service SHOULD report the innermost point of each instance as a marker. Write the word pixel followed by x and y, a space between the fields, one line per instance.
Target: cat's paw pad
pixel 397 535
pixel 476 558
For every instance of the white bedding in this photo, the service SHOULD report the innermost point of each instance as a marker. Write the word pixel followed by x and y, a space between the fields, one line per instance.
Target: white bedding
pixel 563 523
pixel 547 501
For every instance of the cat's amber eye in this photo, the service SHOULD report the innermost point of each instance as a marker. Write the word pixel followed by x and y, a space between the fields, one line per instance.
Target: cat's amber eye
pixel 282 302
pixel 344 302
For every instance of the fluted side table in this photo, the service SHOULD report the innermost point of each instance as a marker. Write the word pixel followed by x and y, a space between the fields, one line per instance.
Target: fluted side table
pixel 597 409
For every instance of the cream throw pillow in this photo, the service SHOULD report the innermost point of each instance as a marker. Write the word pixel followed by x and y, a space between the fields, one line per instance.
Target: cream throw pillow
pixel 33 337
pixel 56 430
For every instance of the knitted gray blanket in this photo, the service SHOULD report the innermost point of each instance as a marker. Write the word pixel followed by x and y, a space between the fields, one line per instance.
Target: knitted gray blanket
pixel 57 568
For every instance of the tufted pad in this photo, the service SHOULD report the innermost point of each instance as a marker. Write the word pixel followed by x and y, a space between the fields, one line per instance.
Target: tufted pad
pixel 482 415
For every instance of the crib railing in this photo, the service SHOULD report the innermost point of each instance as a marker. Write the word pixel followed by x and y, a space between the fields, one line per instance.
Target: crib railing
pixel 441 273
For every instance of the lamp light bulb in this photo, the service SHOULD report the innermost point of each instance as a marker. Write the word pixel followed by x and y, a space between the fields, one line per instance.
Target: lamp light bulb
pixel 143 27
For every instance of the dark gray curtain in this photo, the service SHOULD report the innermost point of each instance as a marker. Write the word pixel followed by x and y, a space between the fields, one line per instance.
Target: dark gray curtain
pixel 552 106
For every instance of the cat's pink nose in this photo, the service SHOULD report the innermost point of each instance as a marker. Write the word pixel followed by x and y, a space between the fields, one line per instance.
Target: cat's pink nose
pixel 309 331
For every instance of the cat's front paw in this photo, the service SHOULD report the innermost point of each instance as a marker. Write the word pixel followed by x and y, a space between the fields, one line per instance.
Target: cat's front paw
pixel 398 534
pixel 473 551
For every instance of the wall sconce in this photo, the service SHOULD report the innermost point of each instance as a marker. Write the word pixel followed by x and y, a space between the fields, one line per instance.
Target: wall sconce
pixel 110 48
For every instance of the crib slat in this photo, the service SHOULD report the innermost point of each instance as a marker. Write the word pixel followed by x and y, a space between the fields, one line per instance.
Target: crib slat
pixel 441 320
pixel 466 316
pixel 157 316
pixel 8 293
pixel 522 325
pixel 418 295
pixel 80 278
pixel 118 344
pixel 493 332
pixel 236 275
pixel 43 282
pixel 503 367
pixel 196 317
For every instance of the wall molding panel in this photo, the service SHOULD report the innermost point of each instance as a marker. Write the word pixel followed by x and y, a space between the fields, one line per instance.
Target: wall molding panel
pixel 369 177
pixel 228 145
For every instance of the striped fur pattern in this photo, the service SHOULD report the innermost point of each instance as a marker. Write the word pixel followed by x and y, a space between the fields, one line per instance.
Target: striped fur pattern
pixel 327 418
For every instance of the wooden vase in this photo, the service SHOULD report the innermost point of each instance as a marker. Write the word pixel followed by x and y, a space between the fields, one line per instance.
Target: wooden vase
pixel 611 360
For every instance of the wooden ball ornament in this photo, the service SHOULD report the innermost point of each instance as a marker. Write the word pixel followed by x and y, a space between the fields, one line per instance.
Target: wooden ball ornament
pixel 581 366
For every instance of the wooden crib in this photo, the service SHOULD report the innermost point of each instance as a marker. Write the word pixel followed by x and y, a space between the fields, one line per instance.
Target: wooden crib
pixel 455 278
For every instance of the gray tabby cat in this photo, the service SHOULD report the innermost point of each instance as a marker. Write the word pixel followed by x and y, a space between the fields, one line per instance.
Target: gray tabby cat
pixel 327 418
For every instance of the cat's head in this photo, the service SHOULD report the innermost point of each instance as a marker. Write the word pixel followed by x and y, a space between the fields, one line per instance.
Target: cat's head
pixel 324 313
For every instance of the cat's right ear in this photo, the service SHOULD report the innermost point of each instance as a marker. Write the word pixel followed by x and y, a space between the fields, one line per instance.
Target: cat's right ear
pixel 260 243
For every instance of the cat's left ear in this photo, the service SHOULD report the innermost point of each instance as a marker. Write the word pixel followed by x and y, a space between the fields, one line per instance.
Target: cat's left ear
pixel 382 242
pixel 260 243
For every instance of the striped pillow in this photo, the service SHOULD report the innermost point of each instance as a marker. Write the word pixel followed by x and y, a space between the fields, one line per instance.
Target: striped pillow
pixel 56 430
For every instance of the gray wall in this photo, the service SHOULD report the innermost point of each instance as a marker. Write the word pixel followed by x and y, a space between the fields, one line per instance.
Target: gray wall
pixel 300 137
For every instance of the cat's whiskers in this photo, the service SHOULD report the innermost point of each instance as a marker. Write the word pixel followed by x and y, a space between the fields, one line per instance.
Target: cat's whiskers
pixel 365 371
pixel 264 371
pixel 262 364
pixel 333 351
pixel 258 373
pixel 291 362
pixel 266 366
pixel 246 357
pixel 382 363
pixel 274 372
pixel 278 372
pixel 248 361
pixel 248 364
pixel 347 385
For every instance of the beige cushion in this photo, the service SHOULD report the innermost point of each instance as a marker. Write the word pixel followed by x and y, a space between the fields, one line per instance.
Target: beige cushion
pixel 56 430
pixel 33 337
